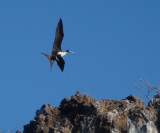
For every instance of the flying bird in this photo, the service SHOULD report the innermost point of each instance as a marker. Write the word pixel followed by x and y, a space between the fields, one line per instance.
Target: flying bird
pixel 57 53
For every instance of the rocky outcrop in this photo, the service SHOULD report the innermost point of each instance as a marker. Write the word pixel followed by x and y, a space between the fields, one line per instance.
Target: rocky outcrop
pixel 84 114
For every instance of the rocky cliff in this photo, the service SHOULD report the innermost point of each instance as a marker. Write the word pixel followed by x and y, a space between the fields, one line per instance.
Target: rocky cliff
pixel 84 114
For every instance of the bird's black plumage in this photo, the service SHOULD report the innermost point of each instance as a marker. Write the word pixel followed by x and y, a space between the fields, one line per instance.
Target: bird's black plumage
pixel 58 38
pixel 56 51
pixel 60 63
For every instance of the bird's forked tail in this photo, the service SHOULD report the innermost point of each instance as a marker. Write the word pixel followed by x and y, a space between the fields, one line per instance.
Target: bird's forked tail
pixel 47 55
pixel 49 58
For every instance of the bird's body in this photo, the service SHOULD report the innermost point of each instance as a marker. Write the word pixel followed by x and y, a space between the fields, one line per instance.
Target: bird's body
pixel 57 53
pixel 62 53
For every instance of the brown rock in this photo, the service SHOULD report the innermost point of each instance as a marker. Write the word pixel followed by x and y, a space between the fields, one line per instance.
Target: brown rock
pixel 84 114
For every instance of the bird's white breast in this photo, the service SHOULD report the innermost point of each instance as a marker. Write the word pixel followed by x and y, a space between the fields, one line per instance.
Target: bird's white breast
pixel 62 53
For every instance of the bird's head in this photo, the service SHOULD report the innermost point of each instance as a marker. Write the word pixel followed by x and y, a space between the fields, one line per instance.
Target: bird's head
pixel 68 51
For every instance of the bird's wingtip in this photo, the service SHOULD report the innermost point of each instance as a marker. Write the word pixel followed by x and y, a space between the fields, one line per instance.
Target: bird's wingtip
pixel 60 19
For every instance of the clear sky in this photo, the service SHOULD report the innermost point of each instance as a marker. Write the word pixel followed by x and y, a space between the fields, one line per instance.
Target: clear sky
pixel 115 43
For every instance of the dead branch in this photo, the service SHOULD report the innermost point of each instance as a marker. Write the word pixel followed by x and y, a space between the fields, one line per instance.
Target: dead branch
pixel 143 92
pixel 148 85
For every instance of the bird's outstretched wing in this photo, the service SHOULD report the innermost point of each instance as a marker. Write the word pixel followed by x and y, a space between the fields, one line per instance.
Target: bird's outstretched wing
pixel 58 37
pixel 60 62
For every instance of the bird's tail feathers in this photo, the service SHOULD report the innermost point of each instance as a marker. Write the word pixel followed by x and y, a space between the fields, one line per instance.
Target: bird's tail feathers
pixel 51 63
pixel 47 55
pixel 49 58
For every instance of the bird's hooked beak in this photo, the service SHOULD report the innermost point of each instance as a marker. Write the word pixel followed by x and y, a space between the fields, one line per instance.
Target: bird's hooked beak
pixel 71 52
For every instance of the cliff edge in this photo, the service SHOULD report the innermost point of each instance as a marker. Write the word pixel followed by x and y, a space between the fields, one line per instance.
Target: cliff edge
pixel 84 114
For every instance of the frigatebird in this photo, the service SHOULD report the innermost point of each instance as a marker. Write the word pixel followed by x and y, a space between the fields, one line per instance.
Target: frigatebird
pixel 57 53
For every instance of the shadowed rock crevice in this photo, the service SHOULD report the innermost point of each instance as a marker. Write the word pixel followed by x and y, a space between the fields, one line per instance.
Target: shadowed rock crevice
pixel 84 114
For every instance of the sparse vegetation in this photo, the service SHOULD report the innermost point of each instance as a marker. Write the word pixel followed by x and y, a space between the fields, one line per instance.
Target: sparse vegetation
pixel 150 89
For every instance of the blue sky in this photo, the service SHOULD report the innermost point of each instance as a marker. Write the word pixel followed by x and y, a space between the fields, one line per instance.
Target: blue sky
pixel 115 43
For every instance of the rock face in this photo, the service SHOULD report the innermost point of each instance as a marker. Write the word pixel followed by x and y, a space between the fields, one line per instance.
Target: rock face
pixel 83 114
